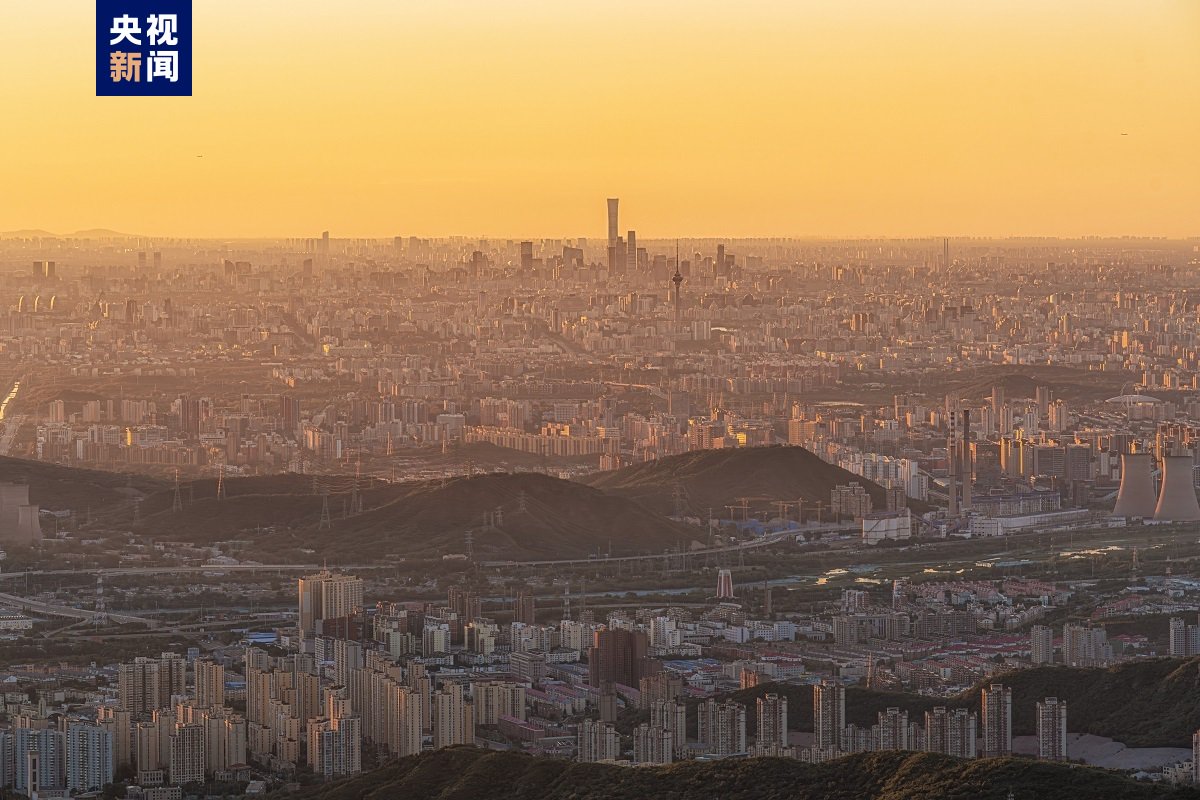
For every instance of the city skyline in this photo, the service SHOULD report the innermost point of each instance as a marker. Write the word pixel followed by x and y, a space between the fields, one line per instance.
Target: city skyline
pixel 615 400
pixel 808 120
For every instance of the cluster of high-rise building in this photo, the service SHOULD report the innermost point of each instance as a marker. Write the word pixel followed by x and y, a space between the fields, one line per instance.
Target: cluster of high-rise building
pixel 168 726
pixel 368 351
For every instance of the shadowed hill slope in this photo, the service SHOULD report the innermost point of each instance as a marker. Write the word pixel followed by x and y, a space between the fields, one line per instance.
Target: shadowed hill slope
pixel 464 773
pixel 62 488
pixel 718 478
pixel 522 515
pixel 1153 703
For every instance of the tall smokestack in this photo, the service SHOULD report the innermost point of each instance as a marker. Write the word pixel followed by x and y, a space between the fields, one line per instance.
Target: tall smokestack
pixel 1177 496
pixel 1136 495
pixel 967 471
pixel 952 467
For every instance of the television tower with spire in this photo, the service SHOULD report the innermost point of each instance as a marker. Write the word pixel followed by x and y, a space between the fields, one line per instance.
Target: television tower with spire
pixel 677 279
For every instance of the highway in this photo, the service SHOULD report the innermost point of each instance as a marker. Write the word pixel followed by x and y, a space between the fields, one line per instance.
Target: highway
pixel 769 539
pixel 11 425
pixel 56 610
pixel 172 570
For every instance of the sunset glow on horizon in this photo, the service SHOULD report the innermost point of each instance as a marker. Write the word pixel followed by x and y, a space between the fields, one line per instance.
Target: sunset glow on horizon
pixel 372 118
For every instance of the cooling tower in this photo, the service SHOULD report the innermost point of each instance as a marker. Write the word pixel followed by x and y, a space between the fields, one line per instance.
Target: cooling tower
pixel 1136 496
pixel 1177 497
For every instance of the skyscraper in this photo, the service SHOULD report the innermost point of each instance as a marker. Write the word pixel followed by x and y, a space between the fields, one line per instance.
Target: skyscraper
pixel 653 745
pixel 1041 644
pixel 89 758
pixel 997 721
pixel 598 741
pixel 525 610
pixel 620 656
pixel 892 730
pixel 38 760
pixel 453 717
pixel 1184 638
pixel 495 699
pixel 951 732
pixel 1052 729
pixel 147 684
pixel 289 414
pixel 829 716
pixel 326 596
pixel 612 221
pixel 335 741
pixel 210 684
pixel 1085 646
pixel 671 715
pixel 772 721
pixel 120 724
pixel 721 727
pixel 187 753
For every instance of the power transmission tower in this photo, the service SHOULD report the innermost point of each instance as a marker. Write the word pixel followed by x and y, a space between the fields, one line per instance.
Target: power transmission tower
pixel 677 496
pixel 326 523
pixel 356 503
pixel 221 483
pixel 100 618
pixel 176 501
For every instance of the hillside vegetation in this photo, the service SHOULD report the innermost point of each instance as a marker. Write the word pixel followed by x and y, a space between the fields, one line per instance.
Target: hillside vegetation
pixel 465 773
pixel 510 516
pixel 719 478
pixel 1153 703
pixel 69 488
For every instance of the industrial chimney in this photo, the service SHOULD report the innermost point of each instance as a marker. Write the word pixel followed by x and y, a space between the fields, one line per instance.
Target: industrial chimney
pixel 1136 496
pixel 1177 497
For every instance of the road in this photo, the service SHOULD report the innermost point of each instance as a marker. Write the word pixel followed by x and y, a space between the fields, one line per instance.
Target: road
pixel 56 610
pixel 172 570
pixel 764 541
pixel 11 424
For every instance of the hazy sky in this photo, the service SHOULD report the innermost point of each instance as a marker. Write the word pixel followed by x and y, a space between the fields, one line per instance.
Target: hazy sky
pixel 517 118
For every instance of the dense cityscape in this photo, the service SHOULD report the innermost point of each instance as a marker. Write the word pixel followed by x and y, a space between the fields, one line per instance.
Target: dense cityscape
pixel 617 500
pixel 638 400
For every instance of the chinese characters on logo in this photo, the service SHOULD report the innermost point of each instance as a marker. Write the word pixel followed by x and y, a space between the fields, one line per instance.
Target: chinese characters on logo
pixel 143 47
pixel 160 30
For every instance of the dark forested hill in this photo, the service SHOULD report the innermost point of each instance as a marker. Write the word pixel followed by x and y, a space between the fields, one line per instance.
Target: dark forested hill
pixel 465 773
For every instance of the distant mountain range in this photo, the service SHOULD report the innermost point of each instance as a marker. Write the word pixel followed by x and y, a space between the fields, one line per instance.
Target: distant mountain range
pixel 465 773
pixel 91 233
pixel 522 515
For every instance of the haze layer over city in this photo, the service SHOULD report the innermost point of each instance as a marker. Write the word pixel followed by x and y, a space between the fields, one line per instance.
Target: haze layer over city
pixel 826 423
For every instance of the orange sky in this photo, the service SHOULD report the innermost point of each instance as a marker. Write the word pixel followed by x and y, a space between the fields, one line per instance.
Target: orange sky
pixel 517 118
